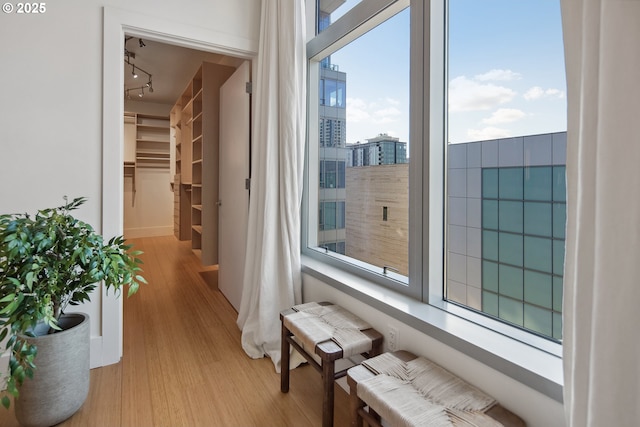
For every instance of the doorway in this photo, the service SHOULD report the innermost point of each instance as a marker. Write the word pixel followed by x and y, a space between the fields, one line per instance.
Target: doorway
pixel 155 77
pixel 117 23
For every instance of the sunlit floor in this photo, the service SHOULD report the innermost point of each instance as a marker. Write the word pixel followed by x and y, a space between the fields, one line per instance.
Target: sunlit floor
pixel 183 364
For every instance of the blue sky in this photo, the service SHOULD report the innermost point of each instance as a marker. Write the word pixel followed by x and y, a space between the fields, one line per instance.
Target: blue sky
pixel 506 72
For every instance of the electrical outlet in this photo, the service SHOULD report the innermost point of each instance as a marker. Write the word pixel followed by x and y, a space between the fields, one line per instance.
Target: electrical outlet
pixel 393 338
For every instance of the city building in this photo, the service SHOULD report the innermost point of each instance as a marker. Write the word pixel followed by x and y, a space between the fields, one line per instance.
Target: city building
pixel 333 153
pixel 381 150
pixel 506 229
pixel 378 215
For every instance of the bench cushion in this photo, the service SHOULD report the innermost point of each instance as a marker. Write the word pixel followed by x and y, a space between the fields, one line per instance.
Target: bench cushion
pixel 419 392
pixel 313 323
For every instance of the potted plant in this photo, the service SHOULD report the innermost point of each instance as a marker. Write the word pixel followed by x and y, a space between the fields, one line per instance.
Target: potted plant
pixel 47 262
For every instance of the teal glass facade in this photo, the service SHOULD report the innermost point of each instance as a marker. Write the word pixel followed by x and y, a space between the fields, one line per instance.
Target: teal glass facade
pixel 523 223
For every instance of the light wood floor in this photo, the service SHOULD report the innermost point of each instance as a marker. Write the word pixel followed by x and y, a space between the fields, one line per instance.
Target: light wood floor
pixel 183 364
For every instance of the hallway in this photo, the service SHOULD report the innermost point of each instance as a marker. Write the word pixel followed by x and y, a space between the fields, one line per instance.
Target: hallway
pixel 183 364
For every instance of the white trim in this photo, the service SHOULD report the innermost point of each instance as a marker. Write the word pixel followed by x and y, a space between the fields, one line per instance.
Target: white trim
pixel 117 22
pixel 4 366
pixel 95 352
pixel 363 17
pixel 434 134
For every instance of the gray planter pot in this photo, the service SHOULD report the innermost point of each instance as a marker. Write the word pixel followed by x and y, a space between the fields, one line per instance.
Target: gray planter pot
pixel 60 383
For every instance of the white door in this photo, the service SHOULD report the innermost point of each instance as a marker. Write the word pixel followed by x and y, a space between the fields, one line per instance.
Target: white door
pixel 234 171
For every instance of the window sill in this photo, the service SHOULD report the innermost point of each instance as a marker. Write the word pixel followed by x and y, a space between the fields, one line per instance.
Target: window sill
pixel 536 368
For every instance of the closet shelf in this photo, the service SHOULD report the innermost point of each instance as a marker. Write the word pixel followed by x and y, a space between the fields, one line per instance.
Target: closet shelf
pixel 196 113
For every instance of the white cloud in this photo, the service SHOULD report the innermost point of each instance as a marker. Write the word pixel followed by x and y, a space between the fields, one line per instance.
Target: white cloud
pixel 357 110
pixel 368 118
pixel 503 75
pixel 469 95
pixel 487 133
pixel 380 111
pixel 504 115
pixel 555 93
pixel 536 92
pixel 387 115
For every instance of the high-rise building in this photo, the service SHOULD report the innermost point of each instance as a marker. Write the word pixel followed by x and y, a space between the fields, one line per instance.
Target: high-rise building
pixel 332 143
pixel 506 229
pixel 381 150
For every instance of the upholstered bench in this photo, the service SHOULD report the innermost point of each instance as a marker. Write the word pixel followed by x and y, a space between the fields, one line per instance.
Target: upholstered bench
pixel 407 390
pixel 324 333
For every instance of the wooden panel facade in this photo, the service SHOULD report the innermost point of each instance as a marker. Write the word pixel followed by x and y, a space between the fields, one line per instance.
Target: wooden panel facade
pixel 377 215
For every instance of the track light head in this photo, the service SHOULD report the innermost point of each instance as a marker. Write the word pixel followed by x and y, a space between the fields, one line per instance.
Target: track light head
pixel 133 72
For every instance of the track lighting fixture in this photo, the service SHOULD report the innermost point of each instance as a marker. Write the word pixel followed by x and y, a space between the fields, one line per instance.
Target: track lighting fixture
pixel 135 71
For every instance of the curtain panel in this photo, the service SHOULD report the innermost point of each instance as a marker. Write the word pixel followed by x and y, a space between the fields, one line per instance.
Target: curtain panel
pixel 602 265
pixel 272 275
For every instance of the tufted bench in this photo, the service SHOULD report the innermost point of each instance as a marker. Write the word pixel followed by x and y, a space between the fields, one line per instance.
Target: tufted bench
pixel 324 333
pixel 408 391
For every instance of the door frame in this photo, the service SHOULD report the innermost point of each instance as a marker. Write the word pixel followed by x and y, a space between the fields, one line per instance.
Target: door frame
pixel 116 22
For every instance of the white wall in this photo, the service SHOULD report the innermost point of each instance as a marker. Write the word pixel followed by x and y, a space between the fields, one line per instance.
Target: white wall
pixel 148 211
pixel 148 196
pixel 536 409
pixel 51 108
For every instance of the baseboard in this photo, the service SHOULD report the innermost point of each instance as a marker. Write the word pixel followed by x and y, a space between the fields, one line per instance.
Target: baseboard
pixel 134 233
pixel 4 368
pixel 95 352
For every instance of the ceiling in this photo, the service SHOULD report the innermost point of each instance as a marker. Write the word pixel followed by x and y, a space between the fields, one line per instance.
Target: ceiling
pixel 171 68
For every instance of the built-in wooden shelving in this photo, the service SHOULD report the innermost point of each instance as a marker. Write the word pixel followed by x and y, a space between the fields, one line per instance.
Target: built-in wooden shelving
pixel 195 120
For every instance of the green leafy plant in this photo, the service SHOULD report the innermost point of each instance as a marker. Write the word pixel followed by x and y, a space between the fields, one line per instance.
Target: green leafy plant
pixel 47 262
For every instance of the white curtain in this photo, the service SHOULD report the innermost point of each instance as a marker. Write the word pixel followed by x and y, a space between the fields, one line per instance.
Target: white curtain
pixel 272 277
pixel 602 266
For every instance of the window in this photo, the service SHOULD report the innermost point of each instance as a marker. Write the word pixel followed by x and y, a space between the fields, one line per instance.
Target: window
pixel 332 173
pixel 332 90
pixel 360 147
pixel 471 189
pixel 506 149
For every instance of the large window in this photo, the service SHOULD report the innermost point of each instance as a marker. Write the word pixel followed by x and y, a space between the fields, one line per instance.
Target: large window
pixel 441 174
pixel 361 148
pixel 506 150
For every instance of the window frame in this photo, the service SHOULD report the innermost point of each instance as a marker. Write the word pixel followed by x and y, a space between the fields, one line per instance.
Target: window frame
pixel 426 307
pixel 362 17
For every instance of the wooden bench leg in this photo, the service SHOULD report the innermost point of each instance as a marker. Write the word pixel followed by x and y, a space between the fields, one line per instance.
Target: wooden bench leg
pixel 284 360
pixel 328 381
pixel 355 405
pixel 370 417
